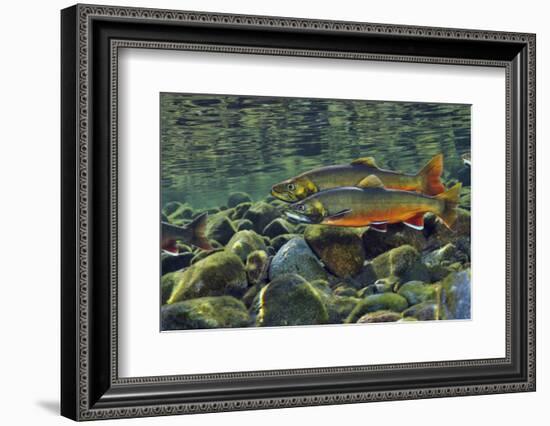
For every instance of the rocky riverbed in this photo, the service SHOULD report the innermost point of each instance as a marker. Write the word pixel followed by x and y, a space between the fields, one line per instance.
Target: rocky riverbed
pixel 266 271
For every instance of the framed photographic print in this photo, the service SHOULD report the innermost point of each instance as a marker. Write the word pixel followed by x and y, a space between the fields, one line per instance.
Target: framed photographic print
pixel 263 212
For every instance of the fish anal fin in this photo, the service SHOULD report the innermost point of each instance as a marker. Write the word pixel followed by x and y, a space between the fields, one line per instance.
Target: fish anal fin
pixel 379 227
pixel 371 181
pixel 416 222
pixel 367 161
pixel 171 247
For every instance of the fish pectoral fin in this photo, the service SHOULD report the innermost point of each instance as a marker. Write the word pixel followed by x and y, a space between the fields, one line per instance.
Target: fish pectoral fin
pixel 416 222
pixel 367 161
pixel 371 181
pixel 379 227
pixel 339 214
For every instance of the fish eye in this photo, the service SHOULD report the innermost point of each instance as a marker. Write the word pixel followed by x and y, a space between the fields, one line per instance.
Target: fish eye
pixel 301 207
pixel 290 186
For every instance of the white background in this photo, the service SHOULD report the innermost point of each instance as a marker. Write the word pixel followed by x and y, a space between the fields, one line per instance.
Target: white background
pixel 29 225
pixel 141 345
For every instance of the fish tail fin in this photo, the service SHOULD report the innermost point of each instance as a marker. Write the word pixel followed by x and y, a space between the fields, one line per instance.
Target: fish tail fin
pixel 430 176
pixel 198 227
pixel 450 202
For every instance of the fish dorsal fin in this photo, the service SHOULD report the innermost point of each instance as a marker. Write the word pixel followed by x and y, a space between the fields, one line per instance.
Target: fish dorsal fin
pixel 371 181
pixel 367 161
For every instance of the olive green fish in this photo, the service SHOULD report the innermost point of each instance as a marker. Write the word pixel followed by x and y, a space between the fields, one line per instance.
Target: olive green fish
pixel 427 180
pixel 371 204
pixel 192 233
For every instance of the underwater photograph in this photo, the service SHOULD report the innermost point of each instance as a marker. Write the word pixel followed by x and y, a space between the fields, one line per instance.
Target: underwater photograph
pixel 282 211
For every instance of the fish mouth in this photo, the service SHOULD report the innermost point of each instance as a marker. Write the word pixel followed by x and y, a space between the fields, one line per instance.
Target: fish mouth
pixel 284 196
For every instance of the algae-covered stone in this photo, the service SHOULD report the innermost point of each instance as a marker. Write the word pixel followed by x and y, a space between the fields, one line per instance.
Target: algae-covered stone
pixel 378 302
pixel 220 228
pixel 244 224
pixel 376 243
pixel 250 295
pixel 171 263
pixel 344 290
pixel 257 265
pixel 260 214
pixel 401 262
pixel 417 292
pixel 167 283
pixel 245 242
pixel 170 207
pixel 277 227
pixel 340 249
pixel 203 254
pixel 445 255
pixel 366 277
pixel 181 213
pixel 236 198
pixel 205 312
pixel 379 316
pixel 221 273
pixel 456 295
pixel 339 307
pixel 290 300
pixel 281 240
pixel 295 257
pixel 322 286
pixel 426 311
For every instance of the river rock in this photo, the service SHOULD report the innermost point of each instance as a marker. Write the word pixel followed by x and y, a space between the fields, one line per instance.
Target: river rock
pixel 344 290
pixel 281 240
pixel 220 229
pixel 240 210
pixel 245 242
pixel 403 263
pixel 377 302
pixel 339 308
pixel 260 214
pixel 295 257
pixel 236 198
pixel 205 312
pixel 417 292
pixel 167 284
pixel 426 311
pixel 456 295
pixel 379 316
pixel 340 249
pixel 290 300
pixel 221 273
pixel 276 227
pixel 171 263
pixel 257 266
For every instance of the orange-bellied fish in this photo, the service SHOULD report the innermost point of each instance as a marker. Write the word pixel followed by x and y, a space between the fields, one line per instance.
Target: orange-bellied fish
pixel 426 181
pixel 192 233
pixel 370 203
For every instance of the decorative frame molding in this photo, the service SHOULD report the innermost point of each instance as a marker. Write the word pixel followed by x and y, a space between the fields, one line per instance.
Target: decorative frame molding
pixel 85 397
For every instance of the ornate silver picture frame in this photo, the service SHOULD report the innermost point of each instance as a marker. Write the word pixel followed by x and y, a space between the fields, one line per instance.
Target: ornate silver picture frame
pixel 91 38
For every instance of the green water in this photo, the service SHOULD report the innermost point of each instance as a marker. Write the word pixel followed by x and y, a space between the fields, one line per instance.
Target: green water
pixel 212 145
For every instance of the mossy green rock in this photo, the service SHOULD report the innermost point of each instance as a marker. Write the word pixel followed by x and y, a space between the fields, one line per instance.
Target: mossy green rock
pixel 277 227
pixel 296 257
pixel 244 224
pixel 203 254
pixel 417 292
pixel 205 312
pixel 281 240
pixel 402 262
pixel 290 300
pixel 344 290
pixel 260 214
pixel 181 213
pixel 257 264
pixel 170 207
pixel 236 198
pixel 167 283
pixel 220 228
pixel 379 316
pixel 339 308
pixel 376 243
pixel 426 311
pixel 245 242
pixel 340 249
pixel 221 273
pixel 378 302
pixel 240 210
